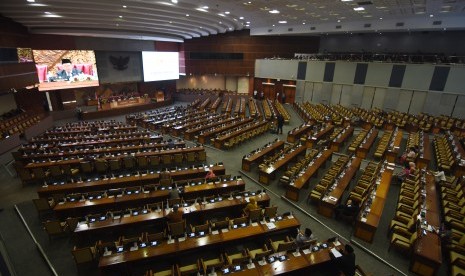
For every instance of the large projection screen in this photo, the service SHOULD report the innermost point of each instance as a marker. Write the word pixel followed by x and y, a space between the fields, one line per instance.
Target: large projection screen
pixel 160 66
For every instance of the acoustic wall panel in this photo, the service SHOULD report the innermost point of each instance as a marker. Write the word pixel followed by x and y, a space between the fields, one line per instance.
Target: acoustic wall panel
pixel 417 102
pixel 326 89
pixel 344 72
pixel 308 91
pixel 397 75
pixel 357 96
pixel 346 95
pixel 336 94
pixel 378 98
pixel 455 80
pixel 459 110
pixel 391 99
pixel 447 104
pixel 417 76
pixel 276 69
pixel 317 92
pixel 378 74
pixel 360 73
pixel 301 70
pixel 329 71
pixel 368 97
pixel 403 103
pixel 300 91
pixel 315 71
pixel 438 81
pixel 432 103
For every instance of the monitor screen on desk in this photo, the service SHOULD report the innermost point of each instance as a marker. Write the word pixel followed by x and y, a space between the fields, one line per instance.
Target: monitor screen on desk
pixel 64 69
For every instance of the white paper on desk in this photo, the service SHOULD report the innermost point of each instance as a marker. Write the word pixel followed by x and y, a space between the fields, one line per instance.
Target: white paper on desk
pixel 271 225
pixel 336 243
pixel 254 224
pixel 333 198
pixel 250 266
pixel 170 241
pixel 390 168
pixel 133 248
pixel 247 199
pixel 225 230
pixel 106 253
pixel 364 219
pixel 262 262
pixel 296 254
pixel 336 253
pixel 182 239
pixel 290 217
pixel 192 209
pixel 215 232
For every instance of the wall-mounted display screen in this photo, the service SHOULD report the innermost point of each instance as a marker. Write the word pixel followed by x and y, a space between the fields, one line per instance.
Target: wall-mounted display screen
pixel 63 69
pixel 160 66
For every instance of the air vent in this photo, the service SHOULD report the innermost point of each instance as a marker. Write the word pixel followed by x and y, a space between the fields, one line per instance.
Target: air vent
pixel 312 28
pixel 338 26
pixel 438 22
pixel 270 30
pixel 367 25
pixel 290 29
pixel 399 24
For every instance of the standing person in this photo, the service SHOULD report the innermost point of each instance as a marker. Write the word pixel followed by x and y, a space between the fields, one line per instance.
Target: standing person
pixel 252 205
pixel 262 96
pixel 280 120
pixel 277 97
pixel 255 94
pixel 346 263
pixel 283 97
pixel 175 215
pixel 301 238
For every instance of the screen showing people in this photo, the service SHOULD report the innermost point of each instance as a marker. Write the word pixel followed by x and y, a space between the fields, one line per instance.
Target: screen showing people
pixel 62 69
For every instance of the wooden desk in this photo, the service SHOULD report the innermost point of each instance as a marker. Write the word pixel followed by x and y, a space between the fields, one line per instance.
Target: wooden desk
pixel 427 256
pixel 336 144
pixel 315 138
pixel 364 148
pixel 328 203
pixel 293 190
pixel 126 181
pixel 391 153
pixel 205 137
pixel 124 261
pixel 295 134
pixel 219 188
pixel 365 228
pixel 269 172
pixel 219 142
pixel 82 208
pixel 424 158
pixel 259 156
pixel 190 133
pixel 198 210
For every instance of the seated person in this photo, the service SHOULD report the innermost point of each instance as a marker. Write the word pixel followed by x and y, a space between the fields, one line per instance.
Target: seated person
pixel 345 264
pixel 301 238
pixel 68 70
pixel 408 170
pixel 175 215
pixel 350 209
pixel 252 205
pixel 210 174
pixel 439 176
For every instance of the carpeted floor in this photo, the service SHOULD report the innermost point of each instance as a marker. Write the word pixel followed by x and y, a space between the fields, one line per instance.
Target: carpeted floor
pixel 26 258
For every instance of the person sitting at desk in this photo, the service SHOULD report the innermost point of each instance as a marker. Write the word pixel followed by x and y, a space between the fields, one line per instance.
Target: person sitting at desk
pixel 175 215
pixel 68 70
pixel 350 209
pixel 301 238
pixel 210 174
pixel 252 205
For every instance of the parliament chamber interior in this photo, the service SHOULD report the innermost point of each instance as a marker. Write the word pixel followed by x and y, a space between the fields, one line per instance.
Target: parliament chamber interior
pixel 249 150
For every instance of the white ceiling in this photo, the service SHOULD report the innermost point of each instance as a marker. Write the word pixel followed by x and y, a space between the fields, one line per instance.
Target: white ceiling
pixel 165 20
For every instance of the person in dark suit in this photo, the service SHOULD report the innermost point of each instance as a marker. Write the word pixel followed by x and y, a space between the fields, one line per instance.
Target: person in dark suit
pixel 280 119
pixel 68 71
pixel 176 215
pixel 346 263
pixel 350 209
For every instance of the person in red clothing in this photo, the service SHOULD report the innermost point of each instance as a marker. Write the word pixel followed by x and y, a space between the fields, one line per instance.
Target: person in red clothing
pixel 210 174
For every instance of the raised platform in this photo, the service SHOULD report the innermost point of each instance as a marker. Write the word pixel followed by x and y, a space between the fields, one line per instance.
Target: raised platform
pixel 91 115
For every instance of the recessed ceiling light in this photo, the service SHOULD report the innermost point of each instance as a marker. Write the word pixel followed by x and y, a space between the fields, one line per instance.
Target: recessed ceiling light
pixel 201 9
pixel 241 17
pixel 273 25
pixel 230 29
pixel 431 15
pixel 338 20
pixel 248 22
pixel 226 12
pixel 247 25
pixel 120 16
pixel 282 21
pixel 201 27
pixel 47 12
pixel 303 23
pixel 220 22
pixel 380 18
pixel 220 14
pixel 174 1
pixel 274 11
pixel 117 24
pixel 205 7
pixel 359 9
pixel 125 6
pixel 171 22
pixel 346 0
pixel 187 14
pixel 31 1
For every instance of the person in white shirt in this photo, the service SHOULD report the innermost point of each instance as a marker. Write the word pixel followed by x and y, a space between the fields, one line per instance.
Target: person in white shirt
pixel 301 238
